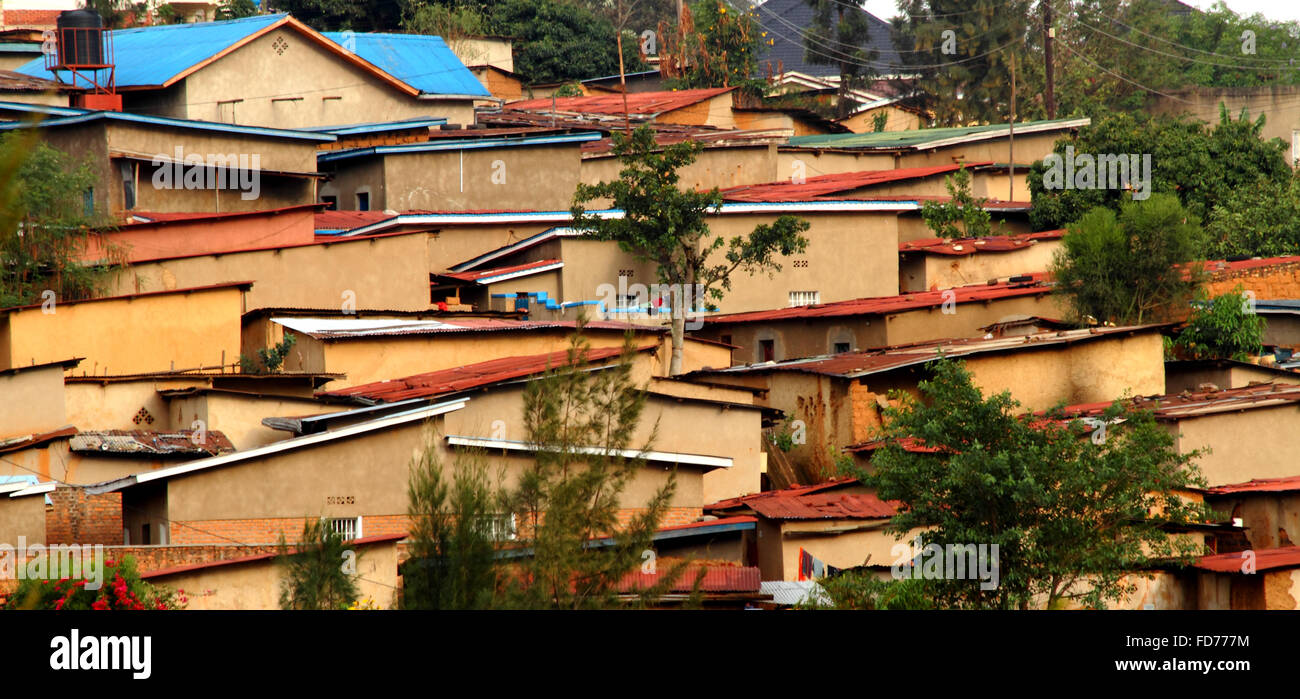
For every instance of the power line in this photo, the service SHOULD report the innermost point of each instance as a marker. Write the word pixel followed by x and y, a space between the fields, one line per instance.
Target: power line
pixel 1067 47
pixel 1170 55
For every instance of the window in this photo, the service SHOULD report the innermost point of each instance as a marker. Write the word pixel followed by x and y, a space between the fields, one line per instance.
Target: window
pixel 144 535
pixel 726 339
pixel 767 350
pixel 127 169
pixel 349 527
pixel 841 347
pixel 363 201
pixel 500 527
pixel 88 201
pixel 804 298
pixel 331 201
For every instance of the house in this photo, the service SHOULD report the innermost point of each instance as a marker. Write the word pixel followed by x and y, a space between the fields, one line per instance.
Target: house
pixel 1192 375
pixel 886 150
pixel 272 70
pixel 31 399
pixel 1239 580
pixel 784 21
pixel 838 400
pixel 195 327
pixel 374 349
pixel 149 236
pixel 1282 316
pixel 840 523
pixel 988 180
pixel 698 107
pixel 163 164
pixel 879 321
pixel 1217 418
pixel 474 169
pixel 935 263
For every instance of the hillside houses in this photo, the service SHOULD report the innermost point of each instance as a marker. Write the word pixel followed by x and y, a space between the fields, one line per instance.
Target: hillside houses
pixel 320 256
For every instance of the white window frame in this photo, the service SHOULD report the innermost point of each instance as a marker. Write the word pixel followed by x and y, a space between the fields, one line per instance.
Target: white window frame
pixel 805 298
pixel 341 525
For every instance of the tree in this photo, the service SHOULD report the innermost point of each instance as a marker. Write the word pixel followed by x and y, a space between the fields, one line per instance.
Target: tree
pixel 839 36
pixel 455 529
pixel 1262 220
pixel 1132 268
pixel 235 9
pixel 1225 327
pixel 961 51
pixel 117 13
pixel 583 424
pixel 664 224
pixel 962 207
pixel 557 41
pixel 718 46
pixel 453 22
pixel 46 220
pixel 355 15
pixel 320 573
pixel 1072 515
pixel 1204 166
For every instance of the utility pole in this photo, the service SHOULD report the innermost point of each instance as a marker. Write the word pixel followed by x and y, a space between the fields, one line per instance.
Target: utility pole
pixel 1049 35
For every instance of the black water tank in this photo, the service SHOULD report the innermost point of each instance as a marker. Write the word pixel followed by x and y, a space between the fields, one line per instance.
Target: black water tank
pixel 80 38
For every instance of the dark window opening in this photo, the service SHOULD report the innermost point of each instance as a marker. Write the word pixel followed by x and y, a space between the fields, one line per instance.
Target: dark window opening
pixel 767 350
pixel 841 347
pixel 363 201
pixel 331 202
pixel 726 339
pixel 144 535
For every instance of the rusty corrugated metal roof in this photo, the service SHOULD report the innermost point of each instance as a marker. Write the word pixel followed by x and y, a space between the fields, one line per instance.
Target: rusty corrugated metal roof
pixel 822 185
pixel 501 271
pixel 349 328
pixel 716 579
pixel 641 103
pixel 825 505
pixel 1259 485
pixel 1266 559
pixel 1196 404
pixel 970 246
pixel 463 378
pixel 1027 285
pixel 178 443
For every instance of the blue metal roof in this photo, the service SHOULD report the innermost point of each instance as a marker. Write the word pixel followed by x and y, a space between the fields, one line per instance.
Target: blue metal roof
pixel 459 144
pixel 378 126
pixel 89 116
pixel 156 55
pixel 40 109
pixel 423 62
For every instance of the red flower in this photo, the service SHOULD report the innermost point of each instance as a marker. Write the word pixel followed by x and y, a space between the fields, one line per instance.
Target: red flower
pixel 59 603
pixel 101 604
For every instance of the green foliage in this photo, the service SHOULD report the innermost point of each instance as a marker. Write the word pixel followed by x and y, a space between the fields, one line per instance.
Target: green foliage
pixel 556 41
pixel 320 571
pixel 573 89
pixel 454 534
pixel 337 15
pixel 1225 327
pixel 666 225
pixel 44 223
pixel 1202 165
pixel 1131 268
pixel 962 207
pixel 1218 30
pixel 582 421
pixel 838 36
pixel 235 9
pixel 1071 514
pixel 121 589
pixel 451 21
pixel 866 591
pixel 719 48
pixel 879 121
pixel 1262 220
pixel 270 360
pixel 117 13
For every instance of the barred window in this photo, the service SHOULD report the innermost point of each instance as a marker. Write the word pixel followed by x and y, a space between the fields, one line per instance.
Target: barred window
pixel 804 298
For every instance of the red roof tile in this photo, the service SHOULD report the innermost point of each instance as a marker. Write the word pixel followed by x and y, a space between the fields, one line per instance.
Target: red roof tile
pixel 716 579
pixel 649 103
pixel 467 377
pixel 1266 559
pixel 831 184
pixel 970 246
pixel 1259 485
pixel 876 305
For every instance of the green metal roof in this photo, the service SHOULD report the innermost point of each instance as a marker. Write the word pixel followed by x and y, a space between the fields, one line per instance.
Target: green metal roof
pixel 892 140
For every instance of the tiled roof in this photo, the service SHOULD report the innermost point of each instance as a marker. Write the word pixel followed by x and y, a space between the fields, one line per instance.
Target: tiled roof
pixel 822 185
pixel 861 363
pixel 638 103
pixel 463 378
pixel 1289 484
pixel 970 246
pixel 178 443
pixel 1266 559
pixel 1027 285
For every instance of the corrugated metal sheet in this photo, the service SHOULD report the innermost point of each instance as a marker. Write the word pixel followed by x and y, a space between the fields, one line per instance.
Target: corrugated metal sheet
pixel 920 138
pixel 345 328
pixel 829 505
pixel 501 271
pixel 643 103
pixel 1259 485
pixel 423 62
pixel 822 185
pixel 1266 559
pixel 970 246
pixel 463 378
pixel 876 305
pixel 1190 404
pixel 178 443
pixel 716 579
pixel 792 491
pixel 792 592
pixel 155 55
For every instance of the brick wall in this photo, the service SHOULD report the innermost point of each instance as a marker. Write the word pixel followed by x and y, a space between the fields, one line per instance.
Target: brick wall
pixel 268 530
pixel 1279 281
pixel 78 518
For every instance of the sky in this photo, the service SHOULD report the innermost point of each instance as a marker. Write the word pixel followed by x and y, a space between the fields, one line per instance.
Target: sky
pixel 1280 10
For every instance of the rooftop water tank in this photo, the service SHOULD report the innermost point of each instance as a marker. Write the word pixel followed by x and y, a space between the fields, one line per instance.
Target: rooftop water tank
pixel 81 38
